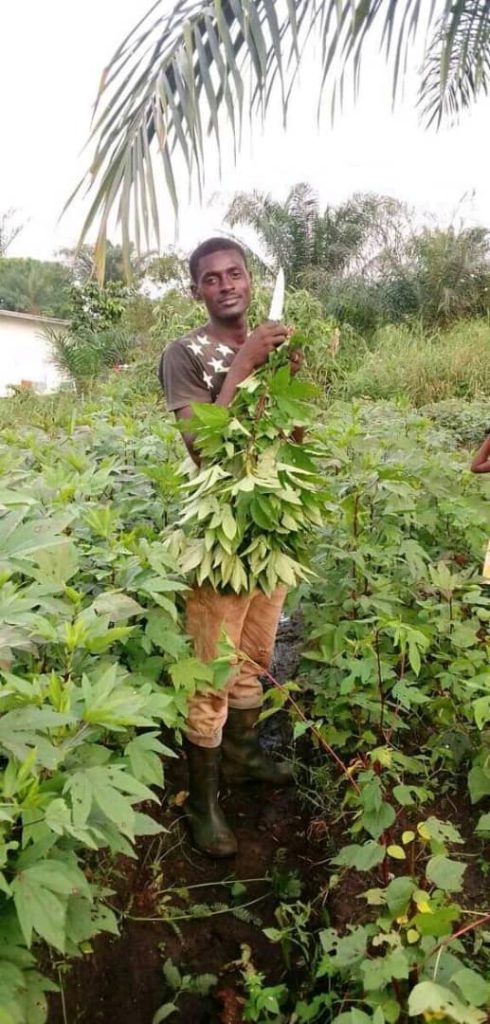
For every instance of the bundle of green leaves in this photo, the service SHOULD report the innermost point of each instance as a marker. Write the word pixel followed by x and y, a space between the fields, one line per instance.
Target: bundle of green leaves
pixel 248 515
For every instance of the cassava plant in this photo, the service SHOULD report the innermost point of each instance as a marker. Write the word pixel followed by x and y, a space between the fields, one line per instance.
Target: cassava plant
pixel 92 662
pixel 249 513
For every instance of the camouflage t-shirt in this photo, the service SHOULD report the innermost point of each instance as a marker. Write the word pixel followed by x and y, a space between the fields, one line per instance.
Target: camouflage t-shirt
pixel 193 368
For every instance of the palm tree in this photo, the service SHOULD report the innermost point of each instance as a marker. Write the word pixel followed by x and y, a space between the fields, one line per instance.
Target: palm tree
pixel 291 231
pixel 314 246
pixel 81 263
pixel 178 73
pixel 451 273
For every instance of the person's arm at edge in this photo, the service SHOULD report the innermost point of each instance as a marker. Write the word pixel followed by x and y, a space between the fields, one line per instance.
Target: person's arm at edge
pixel 481 461
pixel 298 434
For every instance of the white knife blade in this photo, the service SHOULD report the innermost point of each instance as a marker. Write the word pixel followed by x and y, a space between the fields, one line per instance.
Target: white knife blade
pixel 277 303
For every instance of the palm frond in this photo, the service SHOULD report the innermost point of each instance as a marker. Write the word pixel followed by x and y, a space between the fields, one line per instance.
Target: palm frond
pixel 168 85
pixel 457 62
pixel 179 75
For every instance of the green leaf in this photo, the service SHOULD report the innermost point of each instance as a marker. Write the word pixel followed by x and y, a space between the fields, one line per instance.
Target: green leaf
pixel 396 851
pixel 379 972
pixel 164 1013
pixel 284 570
pixel 80 791
pixel 238 889
pixel 481 711
pixel 414 657
pixel 437 924
pixel 409 694
pixel 427 997
pixel 117 606
pixel 479 783
pixel 35 1002
pixel 343 951
pixel 483 823
pixel 143 753
pixel 403 794
pixel 210 415
pixel 445 873
pixel 228 523
pixel 300 728
pixel 59 876
pixel 188 671
pixel 39 910
pixel 362 858
pixel 398 894
pixel 146 826
pixel 442 831
pixel 26 540
pixel 376 822
pixel 58 564
pixel 353 1017
pixel 58 817
pixel 106 790
pixel 472 986
pixel 203 983
pixel 172 975
pixel 161 632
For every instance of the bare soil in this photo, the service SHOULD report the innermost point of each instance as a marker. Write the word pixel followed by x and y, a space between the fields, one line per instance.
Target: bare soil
pixel 122 980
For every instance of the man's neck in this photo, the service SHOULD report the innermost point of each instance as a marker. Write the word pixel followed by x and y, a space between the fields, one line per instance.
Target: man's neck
pixel 233 332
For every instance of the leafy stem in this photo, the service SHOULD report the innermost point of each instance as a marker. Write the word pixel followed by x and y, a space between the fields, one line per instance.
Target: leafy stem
pixel 300 713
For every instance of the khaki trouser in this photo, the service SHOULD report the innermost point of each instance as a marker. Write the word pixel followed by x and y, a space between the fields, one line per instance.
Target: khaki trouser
pixel 250 621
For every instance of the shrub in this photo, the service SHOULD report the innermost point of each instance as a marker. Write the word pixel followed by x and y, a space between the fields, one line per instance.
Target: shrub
pixel 85 355
pixel 466 422
pixel 424 368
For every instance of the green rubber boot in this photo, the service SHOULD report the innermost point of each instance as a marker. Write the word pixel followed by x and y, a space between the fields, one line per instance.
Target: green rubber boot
pixel 243 758
pixel 209 828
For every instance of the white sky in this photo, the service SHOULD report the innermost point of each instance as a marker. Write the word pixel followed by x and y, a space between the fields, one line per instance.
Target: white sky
pixel 52 53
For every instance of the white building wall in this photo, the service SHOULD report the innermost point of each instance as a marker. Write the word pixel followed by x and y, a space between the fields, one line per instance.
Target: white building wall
pixel 25 354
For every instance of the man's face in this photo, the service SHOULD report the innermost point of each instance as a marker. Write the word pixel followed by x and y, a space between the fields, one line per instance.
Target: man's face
pixel 224 284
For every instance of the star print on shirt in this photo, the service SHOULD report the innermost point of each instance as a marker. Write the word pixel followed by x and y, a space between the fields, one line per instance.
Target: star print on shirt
pixel 218 366
pixel 224 349
pixel 208 380
pixel 202 339
pixel 194 347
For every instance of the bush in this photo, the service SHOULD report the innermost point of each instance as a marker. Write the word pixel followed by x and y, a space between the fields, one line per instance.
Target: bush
pixel 424 368
pixel 88 354
pixel 174 315
pixel 466 422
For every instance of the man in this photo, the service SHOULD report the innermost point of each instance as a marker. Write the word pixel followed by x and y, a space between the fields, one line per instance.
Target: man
pixel 207 365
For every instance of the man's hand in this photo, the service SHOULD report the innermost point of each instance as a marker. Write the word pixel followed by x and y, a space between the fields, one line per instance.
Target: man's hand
pixel 296 360
pixel 256 350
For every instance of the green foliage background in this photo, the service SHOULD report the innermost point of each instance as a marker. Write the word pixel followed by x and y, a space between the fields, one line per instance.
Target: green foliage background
pixel 394 672
pixel 94 659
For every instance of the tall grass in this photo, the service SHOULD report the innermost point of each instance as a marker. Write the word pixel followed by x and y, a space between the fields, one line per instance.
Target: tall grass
pixel 425 368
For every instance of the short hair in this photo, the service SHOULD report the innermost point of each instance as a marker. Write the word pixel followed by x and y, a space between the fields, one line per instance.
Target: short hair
pixel 208 247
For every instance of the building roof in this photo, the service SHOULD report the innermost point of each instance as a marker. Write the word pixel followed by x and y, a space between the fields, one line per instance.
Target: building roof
pixel 33 316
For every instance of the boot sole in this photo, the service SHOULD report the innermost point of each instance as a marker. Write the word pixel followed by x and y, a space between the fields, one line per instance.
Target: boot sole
pixel 212 853
pixel 241 780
